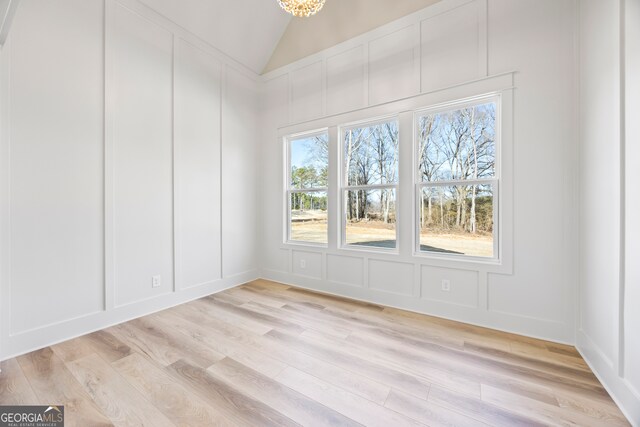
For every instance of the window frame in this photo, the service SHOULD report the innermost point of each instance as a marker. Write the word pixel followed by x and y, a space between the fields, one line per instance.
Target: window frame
pixel 494 182
pixel 287 140
pixel 502 84
pixel 344 187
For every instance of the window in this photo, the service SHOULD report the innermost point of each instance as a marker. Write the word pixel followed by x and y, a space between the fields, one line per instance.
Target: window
pixel 369 184
pixel 457 180
pixel 308 159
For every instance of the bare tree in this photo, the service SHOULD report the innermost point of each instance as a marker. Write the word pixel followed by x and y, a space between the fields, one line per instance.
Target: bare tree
pixel 457 145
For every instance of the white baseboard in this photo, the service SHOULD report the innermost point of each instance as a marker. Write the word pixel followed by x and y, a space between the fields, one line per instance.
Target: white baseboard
pixel 506 322
pixel 34 339
pixel 622 393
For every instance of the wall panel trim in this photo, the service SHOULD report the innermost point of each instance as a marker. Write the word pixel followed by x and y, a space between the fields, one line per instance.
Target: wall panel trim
pixel 12 344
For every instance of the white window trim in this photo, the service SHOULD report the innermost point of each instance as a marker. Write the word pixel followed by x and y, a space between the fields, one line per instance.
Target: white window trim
pixel 344 187
pixel 499 84
pixel 289 191
pixel 494 181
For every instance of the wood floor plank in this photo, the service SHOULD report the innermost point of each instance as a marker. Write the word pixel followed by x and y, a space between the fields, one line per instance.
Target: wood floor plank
pixel 108 346
pixel 347 379
pixel 384 374
pixel 270 354
pixel 158 329
pixel 226 297
pixel 337 300
pixel 289 402
pixel 261 355
pixel 541 352
pixel 103 342
pixel 303 320
pixel 475 368
pixel 248 315
pixel 370 323
pixel 563 349
pixel 53 384
pixel 180 405
pixel 267 285
pixel 213 313
pixel 446 368
pixel 73 349
pixel 532 362
pixel 224 396
pixel 427 412
pixel 604 411
pixel 14 387
pixel 143 343
pixel 348 404
pixel 546 414
pixel 118 400
pixel 281 295
pixel 401 360
pixel 480 410
pixel 227 339
pixel 488 337
pixel 252 294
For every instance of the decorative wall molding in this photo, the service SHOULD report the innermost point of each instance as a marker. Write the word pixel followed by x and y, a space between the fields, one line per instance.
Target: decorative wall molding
pixel 117 307
pixel 433 56
pixel 361 63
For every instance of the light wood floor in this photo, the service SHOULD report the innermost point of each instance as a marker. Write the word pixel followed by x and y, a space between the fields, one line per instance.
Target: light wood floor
pixel 265 354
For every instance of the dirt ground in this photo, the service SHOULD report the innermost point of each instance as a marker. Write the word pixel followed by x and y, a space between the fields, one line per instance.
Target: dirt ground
pixel 378 234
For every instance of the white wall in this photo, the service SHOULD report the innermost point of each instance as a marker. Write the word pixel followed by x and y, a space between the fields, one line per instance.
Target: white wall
pixel 247 30
pixel 119 131
pixel 609 172
pixel 632 198
pixel 240 191
pixel 600 192
pixel 447 45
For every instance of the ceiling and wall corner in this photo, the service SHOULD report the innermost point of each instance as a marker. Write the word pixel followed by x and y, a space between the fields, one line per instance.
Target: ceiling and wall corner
pixel 334 24
pixel 7 10
pixel 246 30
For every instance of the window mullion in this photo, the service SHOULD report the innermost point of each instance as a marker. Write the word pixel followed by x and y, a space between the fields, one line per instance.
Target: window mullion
pixel 308 190
pixel 451 183
pixel 370 187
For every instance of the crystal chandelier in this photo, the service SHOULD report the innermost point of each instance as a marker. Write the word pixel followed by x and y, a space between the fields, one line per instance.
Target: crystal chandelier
pixel 301 8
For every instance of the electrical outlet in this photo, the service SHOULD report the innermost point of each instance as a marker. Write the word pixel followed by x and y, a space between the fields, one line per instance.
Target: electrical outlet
pixel 446 285
pixel 303 263
pixel 156 281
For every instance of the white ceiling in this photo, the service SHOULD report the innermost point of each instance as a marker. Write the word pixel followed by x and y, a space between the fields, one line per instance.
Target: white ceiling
pixel 335 24
pixel 246 30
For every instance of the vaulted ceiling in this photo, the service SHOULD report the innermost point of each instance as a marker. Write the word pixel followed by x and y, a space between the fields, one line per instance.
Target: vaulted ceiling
pixel 246 30
pixel 260 35
pixel 338 21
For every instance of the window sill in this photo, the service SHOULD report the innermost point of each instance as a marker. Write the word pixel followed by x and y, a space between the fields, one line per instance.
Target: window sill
pixel 310 245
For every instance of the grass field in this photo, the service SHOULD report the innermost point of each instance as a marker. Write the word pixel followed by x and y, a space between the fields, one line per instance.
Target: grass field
pixel 313 228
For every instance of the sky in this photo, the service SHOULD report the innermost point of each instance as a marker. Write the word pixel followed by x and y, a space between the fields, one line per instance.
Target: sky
pixel 300 153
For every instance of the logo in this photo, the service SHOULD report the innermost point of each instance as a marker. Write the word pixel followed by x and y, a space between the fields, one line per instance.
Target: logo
pixel 32 416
